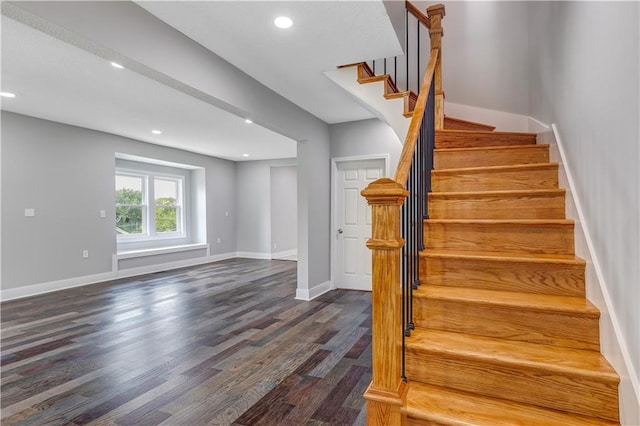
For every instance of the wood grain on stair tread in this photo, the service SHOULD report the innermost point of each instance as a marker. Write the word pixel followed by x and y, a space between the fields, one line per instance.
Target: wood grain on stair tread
pixel 490 156
pixel 450 407
pixel 570 322
pixel 549 236
pixel 496 178
pixel 451 123
pixel 577 381
pixel 515 300
pixel 546 275
pixel 467 138
pixel 573 362
pixel 521 204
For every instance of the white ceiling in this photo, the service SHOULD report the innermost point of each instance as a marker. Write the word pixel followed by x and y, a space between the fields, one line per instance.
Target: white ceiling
pixel 325 34
pixel 58 81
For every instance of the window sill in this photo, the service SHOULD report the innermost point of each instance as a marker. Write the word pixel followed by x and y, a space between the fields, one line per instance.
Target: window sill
pixel 129 254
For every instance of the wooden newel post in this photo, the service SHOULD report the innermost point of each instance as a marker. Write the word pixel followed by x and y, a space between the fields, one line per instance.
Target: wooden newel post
pixel 386 393
pixel 436 13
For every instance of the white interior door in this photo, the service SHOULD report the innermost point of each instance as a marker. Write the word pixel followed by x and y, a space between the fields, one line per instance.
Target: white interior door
pixel 353 223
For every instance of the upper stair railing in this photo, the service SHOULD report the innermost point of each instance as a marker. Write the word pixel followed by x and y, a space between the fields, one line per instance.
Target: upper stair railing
pixel 407 71
pixel 398 211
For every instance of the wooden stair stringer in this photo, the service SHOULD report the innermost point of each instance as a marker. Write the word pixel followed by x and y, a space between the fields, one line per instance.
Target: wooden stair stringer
pixel 365 75
pixel 390 109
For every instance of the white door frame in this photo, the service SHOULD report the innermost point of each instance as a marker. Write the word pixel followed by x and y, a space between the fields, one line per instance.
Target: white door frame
pixel 334 195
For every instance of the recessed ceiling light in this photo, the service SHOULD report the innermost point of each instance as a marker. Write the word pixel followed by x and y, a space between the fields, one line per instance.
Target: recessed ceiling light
pixel 116 65
pixel 7 95
pixel 245 155
pixel 248 120
pixel 283 22
pixel 156 132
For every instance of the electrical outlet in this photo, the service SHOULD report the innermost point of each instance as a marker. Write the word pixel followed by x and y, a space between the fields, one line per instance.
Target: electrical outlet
pixel 226 213
pixel 29 212
pixel 85 254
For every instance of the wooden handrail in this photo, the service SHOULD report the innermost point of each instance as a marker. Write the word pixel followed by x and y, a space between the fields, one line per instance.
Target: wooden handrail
pixel 387 393
pixel 418 13
pixel 406 158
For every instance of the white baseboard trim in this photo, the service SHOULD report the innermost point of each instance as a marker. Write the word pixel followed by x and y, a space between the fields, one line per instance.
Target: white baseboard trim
pixel 48 287
pixel 150 269
pixel 253 255
pixel 357 287
pixel 132 254
pixel 613 344
pixel 285 255
pixel 222 256
pixel 312 293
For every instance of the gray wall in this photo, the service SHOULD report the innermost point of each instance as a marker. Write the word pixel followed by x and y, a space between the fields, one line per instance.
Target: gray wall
pixel 366 137
pixel 485 58
pixel 284 213
pixel 254 205
pixel 584 78
pixel 67 174
pixel 147 42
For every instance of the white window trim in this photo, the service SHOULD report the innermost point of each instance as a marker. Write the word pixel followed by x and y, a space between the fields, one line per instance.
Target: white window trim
pixel 149 234
pixel 180 216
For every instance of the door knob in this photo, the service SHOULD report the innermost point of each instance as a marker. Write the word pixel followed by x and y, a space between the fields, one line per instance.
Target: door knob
pixel 340 231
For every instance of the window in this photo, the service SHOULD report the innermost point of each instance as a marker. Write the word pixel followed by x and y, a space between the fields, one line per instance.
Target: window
pixel 149 205
pixel 167 205
pixel 130 209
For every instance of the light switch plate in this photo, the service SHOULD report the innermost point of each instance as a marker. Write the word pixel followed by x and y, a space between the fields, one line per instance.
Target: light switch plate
pixel 29 212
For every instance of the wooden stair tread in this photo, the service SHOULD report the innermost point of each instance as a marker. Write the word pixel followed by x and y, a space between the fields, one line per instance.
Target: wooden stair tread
pixel 400 95
pixel 469 138
pixel 450 123
pixel 493 148
pixel 449 407
pixel 499 193
pixel 373 78
pixel 497 168
pixel 484 133
pixel 449 158
pixel 532 356
pixel 509 299
pixel 547 222
pixel 498 204
pixel 507 257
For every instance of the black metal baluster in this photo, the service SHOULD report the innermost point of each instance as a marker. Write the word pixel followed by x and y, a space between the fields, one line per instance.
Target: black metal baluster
pixel 395 71
pixel 415 209
pixel 418 56
pixel 406 49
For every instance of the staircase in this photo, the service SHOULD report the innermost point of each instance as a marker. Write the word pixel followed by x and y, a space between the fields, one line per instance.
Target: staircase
pixel 504 334
pixel 499 330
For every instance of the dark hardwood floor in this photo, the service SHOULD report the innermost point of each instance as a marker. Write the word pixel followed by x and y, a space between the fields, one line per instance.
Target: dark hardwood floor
pixel 219 344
